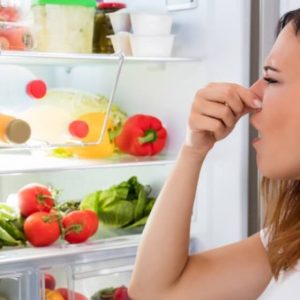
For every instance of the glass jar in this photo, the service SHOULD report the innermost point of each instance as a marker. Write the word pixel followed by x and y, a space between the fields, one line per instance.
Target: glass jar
pixel 103 27
pixel 64 25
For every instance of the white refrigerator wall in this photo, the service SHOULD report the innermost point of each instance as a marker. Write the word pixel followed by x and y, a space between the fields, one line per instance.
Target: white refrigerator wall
pixel 287 5
pixel 218 32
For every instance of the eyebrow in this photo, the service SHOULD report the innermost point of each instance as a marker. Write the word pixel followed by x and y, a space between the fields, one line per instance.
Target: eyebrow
pixel 267 68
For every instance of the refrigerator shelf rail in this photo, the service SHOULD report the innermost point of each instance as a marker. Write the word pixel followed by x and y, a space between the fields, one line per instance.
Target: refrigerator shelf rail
pixel 71 59
pixel 26 163
pixel 75 143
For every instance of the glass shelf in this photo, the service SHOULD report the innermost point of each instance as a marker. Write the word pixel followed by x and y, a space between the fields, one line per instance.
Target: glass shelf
pixel 63 249
pixel 45 58
pixel 27 163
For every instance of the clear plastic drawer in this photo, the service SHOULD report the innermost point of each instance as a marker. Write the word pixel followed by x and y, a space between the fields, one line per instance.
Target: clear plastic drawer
pixel 12 287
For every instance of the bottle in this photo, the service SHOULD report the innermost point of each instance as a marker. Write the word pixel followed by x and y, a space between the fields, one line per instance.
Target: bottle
pixel 103 27
pixel 13 130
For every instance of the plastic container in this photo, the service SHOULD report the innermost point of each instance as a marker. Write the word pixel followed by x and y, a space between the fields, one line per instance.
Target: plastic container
pixel 103 27
pixel 151 24
pixel 13 10
pixel 14 36
pixel 13 130
pixel 121 43
pixel 64 25
pixel 152 46
pixel 120 21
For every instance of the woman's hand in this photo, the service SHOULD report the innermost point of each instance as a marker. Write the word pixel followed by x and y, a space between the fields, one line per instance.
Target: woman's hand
pixel 214 113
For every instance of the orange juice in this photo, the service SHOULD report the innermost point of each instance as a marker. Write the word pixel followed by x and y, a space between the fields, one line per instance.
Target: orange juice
pixel 95 121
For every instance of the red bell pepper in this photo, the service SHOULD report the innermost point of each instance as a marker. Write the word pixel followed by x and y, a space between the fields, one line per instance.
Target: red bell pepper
pixel 142 135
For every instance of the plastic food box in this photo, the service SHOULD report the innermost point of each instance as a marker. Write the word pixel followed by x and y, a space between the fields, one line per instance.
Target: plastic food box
pixel 15 36
pixel 64 25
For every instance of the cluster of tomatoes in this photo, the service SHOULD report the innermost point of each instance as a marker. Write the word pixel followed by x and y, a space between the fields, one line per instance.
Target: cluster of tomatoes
pixel 44 224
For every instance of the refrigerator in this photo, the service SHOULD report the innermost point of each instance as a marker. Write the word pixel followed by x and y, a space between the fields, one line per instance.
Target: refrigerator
pixel 214 41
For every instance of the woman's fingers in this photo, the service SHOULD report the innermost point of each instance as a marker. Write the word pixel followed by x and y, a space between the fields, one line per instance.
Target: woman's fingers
pixel 202 123
pixel 237 97
pixel 220 111
pixel 215 111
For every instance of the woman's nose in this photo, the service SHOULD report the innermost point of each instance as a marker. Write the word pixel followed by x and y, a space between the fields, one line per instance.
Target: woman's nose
pixel 258 88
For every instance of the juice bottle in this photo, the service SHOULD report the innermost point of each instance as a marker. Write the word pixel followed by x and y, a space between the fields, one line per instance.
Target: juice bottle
pixel 13 130
pixel 94 122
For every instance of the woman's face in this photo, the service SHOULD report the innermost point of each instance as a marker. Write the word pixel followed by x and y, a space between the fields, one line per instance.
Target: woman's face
pixel 278 122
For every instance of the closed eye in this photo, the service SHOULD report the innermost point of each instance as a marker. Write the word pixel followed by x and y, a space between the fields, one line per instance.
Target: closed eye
pixel 270 80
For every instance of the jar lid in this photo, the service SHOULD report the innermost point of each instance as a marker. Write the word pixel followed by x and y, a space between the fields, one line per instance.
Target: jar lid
pixel 88 3
pixel 18 131
pixel 36 89
pixel 108 5
pixel 79 129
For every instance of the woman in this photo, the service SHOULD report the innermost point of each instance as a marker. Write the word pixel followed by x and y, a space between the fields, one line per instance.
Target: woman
pixel 164 270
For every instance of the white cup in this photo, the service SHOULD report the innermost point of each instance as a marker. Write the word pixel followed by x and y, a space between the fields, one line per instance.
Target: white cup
pixel 121 42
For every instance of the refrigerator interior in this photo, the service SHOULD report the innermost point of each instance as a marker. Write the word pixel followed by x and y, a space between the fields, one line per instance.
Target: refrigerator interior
pixel 218 33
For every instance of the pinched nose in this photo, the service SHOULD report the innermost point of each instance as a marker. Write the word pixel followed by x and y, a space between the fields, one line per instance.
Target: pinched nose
pixel 258 88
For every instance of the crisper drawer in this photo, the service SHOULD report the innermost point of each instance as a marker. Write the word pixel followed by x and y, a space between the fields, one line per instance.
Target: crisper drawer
pixel 97 280
pixel 12 286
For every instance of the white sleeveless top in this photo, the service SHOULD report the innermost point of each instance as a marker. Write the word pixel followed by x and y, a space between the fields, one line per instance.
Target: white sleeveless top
pixel 288 285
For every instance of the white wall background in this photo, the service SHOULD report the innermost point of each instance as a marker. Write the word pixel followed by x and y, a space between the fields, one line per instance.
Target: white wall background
pixel 286 5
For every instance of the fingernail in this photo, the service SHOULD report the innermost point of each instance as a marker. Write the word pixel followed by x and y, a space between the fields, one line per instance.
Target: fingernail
pixel 258 103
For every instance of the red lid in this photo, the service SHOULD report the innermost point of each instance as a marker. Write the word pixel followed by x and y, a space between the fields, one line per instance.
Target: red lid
pixel 79 129
pixel 36 89
pixel 107 5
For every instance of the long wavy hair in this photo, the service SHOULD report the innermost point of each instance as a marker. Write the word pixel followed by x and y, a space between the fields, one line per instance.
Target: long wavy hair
pixel 282 202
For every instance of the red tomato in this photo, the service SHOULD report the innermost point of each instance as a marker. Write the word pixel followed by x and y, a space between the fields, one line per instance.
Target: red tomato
pixel 19 38
pixel 77 227
pixel 49 281
pixel 34 197
pixel 65 293
pixel 93 220
pixel 42 229
pixel 121 293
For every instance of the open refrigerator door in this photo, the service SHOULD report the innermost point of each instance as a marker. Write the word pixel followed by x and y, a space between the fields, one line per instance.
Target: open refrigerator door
pixel 212 43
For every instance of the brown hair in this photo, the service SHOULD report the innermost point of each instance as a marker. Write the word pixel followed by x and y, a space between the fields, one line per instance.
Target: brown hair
pixel 282 202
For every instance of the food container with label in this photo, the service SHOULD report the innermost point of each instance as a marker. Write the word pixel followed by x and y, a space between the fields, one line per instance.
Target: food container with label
pixel 15 36
pixel 64 25
pixel 103 27
pixel 13 10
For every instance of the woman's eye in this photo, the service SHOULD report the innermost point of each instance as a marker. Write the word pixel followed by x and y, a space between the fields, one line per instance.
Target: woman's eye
pixel 270 80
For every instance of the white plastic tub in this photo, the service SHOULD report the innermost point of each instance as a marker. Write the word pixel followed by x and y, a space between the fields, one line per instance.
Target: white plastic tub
pixel 120 21
pixel 152 46
pixel 121 42
pixel 151 24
